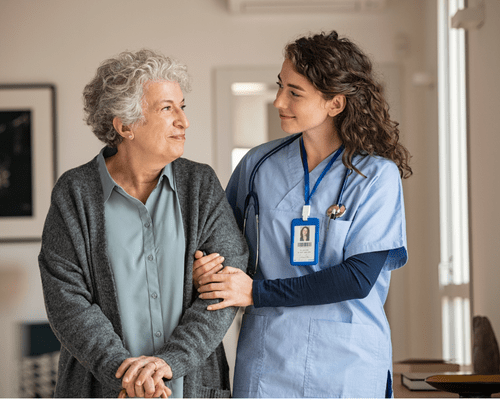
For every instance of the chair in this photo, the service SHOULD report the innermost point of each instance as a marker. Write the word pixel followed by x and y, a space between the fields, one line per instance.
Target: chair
pixel 486 362
pixel 485 353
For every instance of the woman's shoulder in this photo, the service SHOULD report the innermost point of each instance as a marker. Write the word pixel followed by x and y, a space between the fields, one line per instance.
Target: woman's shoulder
pixel 82 176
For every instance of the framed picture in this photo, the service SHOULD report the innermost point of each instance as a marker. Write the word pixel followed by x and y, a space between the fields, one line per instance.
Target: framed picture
pixel 28 167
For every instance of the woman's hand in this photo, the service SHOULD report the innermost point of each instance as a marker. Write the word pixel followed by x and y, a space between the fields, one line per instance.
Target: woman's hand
pixel 231 285
pixel 206 265
pixel 160 391
pixel 143 377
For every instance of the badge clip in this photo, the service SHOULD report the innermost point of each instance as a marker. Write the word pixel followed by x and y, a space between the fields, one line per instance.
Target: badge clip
pixel 306 210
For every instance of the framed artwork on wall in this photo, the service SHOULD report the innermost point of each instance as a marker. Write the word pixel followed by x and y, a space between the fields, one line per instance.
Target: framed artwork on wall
pixel 28 168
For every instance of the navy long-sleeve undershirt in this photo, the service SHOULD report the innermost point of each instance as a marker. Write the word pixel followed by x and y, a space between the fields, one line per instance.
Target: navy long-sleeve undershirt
pixel 351 279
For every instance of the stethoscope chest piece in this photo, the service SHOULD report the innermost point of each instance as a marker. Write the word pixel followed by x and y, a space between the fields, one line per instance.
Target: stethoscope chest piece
pixel 336 211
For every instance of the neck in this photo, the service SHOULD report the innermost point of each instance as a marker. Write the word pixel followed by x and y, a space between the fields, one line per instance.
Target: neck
pixel 319 147
pixel 134 175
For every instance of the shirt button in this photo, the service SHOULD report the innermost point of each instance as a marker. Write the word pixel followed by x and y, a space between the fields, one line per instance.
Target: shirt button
pixel 154 295
pixel 147 224
pixel 150 258
pixel 158 334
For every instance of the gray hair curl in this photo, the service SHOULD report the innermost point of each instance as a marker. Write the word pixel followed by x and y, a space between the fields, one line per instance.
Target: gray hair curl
pixel 117 90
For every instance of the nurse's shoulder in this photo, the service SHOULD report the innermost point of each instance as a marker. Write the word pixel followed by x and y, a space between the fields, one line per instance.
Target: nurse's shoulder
pixel 377 169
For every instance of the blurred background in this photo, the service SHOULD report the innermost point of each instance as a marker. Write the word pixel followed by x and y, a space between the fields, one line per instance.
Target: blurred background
pixel 233 49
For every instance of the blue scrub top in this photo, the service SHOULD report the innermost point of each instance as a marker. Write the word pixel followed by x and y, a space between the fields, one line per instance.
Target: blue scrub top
pixel 331 350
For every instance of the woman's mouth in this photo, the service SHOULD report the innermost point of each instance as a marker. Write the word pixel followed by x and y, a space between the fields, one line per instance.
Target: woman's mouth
pixel 181 137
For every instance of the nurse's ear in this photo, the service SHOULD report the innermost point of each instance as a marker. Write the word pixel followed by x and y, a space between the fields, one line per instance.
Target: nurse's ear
pixel 336 105
pixel 123 130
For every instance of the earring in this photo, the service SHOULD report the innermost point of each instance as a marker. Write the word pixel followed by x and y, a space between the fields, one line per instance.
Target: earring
pixel 131 137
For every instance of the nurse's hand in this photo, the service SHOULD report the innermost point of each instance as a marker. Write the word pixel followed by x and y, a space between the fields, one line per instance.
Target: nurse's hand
pixel 205 265
pixel 231 285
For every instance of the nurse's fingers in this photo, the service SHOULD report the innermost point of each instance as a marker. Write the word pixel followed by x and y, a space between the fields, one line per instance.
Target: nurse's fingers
pixel 206 265
pixel 207 261
pixel 223 276
pixel 232 285
pixel 213 290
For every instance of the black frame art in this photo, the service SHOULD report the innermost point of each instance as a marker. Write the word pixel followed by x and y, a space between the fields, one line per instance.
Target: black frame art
pixel 28 168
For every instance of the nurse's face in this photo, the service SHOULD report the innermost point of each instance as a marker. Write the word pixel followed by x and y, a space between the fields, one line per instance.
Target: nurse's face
pixel 301 106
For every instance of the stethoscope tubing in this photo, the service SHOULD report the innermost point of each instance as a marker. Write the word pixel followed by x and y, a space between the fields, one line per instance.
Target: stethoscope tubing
pixel 253 195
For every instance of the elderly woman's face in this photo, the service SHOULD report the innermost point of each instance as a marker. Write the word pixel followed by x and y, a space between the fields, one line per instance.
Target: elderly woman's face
pixel 162 134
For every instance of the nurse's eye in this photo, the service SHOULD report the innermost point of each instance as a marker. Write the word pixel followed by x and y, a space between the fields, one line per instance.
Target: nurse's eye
pixel 294 94
pixel 167 108
pixel 183 107
pixel 280 86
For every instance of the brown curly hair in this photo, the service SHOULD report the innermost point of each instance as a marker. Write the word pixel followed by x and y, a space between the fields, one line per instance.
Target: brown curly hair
pixel 337 66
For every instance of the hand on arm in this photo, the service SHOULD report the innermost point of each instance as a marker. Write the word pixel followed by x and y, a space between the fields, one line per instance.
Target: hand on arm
pixel 232 285
pixel 205 266
pixel 143 377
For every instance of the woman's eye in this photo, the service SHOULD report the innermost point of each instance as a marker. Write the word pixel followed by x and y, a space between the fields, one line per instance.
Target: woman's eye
pixel 183 108
pixel 279 85
pixel 294 94
pixel 166 108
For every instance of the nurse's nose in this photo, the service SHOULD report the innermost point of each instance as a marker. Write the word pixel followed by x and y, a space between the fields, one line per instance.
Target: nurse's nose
pixel 279 100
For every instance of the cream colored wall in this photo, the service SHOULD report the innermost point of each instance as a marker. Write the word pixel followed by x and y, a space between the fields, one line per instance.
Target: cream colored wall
pixel 63 41
pixel 484 144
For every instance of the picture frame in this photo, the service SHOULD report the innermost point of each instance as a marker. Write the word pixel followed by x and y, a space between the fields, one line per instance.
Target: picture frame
pixel 28 159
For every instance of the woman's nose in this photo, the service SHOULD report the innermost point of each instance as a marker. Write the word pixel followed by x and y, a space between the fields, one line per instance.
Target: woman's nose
pixel 182 119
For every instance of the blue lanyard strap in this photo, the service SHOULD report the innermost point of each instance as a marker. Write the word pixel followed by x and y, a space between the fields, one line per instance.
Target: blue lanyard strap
pixel 307 195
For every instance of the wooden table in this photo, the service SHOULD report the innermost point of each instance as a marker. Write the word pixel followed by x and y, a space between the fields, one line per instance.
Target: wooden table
pixel 401 391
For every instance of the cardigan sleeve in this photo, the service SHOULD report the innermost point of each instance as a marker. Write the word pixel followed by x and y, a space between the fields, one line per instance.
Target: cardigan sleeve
pixel 210 226
pixel 74 315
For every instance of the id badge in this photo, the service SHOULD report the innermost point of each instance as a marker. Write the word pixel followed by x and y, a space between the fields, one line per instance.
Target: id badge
pixel 305 242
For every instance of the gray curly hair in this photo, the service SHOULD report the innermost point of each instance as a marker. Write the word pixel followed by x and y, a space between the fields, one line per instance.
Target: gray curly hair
pixel 117 90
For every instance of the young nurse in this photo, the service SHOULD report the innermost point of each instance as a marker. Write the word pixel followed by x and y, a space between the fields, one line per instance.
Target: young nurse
pixel 314 324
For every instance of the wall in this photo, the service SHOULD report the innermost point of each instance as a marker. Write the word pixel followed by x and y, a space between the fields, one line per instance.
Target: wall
pixel 63 41
pixel 484 142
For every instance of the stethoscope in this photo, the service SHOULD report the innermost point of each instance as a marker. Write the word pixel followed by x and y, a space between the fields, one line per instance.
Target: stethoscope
pixel 334 211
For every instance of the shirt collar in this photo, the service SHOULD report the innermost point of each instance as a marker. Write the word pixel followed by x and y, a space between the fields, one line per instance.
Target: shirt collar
pixel 108 184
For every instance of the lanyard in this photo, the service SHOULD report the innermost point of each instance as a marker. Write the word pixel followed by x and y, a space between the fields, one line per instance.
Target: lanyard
pixel 306 210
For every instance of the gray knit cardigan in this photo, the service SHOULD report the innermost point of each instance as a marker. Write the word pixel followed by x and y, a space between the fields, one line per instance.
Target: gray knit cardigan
pixel 80 293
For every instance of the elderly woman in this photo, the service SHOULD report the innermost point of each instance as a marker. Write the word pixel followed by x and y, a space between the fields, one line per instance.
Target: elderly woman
pixel 119 242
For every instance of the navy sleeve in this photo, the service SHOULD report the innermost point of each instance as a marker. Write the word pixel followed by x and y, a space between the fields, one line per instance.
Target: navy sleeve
pixel 352 279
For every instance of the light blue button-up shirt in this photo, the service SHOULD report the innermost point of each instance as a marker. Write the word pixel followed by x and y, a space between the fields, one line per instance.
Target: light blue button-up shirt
pixel 146 248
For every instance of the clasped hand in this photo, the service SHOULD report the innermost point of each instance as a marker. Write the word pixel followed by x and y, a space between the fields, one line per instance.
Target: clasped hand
pixel 143 377
pixel 214 281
